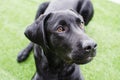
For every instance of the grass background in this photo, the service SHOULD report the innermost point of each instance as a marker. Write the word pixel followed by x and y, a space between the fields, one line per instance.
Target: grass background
pixel 15 15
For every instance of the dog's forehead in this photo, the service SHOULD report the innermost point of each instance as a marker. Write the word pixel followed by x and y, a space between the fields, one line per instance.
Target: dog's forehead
pixel 66 15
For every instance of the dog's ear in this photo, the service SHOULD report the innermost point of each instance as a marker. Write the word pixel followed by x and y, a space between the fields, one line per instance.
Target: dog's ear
pixel 36 31
pixel 86 10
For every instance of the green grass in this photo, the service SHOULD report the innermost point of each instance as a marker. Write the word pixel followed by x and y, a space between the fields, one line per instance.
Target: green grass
pixel 15 15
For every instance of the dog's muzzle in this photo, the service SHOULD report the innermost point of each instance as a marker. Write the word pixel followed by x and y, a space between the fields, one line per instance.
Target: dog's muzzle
pixel 84 52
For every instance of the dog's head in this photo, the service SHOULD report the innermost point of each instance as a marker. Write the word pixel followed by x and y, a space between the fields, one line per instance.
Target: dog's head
pixel 62 32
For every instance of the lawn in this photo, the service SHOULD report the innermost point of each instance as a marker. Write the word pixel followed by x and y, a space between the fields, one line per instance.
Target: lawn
pixel 15 15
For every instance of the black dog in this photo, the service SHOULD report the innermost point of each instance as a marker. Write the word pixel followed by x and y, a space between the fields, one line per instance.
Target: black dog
pixel 59 40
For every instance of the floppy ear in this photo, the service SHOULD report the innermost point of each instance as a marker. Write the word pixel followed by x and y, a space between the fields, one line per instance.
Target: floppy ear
pixel 36 31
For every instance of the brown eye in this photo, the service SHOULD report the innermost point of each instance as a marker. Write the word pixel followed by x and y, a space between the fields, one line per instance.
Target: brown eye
pixel 60 29
pixel 82 25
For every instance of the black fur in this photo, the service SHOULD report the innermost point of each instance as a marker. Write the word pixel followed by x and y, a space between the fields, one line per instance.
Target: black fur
pixel 58 53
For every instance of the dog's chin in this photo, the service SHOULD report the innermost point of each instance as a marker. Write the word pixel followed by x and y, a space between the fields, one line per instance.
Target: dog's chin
pixel 83 61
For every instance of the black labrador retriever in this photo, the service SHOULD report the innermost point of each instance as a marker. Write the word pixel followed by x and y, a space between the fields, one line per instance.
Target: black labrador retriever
pixel 59 40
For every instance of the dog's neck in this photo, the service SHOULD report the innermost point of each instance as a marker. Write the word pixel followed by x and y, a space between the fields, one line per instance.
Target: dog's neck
pixel 50 65
pixel 56 64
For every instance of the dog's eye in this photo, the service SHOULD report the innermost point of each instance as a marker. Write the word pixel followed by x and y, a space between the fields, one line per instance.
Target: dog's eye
pixel 61 28
pixel 82 25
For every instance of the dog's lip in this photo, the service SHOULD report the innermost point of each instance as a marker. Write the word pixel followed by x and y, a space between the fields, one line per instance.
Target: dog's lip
pixel 84 60
pixel 87 58
pixel 79 59
pixel 88 55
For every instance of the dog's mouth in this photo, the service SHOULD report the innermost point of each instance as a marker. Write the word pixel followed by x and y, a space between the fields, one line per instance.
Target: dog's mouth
pixel 83 61
pixel 84 58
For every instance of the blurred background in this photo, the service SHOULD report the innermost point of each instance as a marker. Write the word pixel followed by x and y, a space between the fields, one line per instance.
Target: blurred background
pixel 15 15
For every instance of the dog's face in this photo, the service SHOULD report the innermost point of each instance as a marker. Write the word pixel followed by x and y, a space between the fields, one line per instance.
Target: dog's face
pixel 63 33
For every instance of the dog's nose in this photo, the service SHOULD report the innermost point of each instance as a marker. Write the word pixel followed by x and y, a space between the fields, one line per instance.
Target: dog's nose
pixel 89 45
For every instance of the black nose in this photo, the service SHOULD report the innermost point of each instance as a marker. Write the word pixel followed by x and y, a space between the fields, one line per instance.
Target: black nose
pixel 89 45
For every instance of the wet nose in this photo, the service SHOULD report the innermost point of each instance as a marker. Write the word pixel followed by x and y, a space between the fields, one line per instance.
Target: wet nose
pixel 89 45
